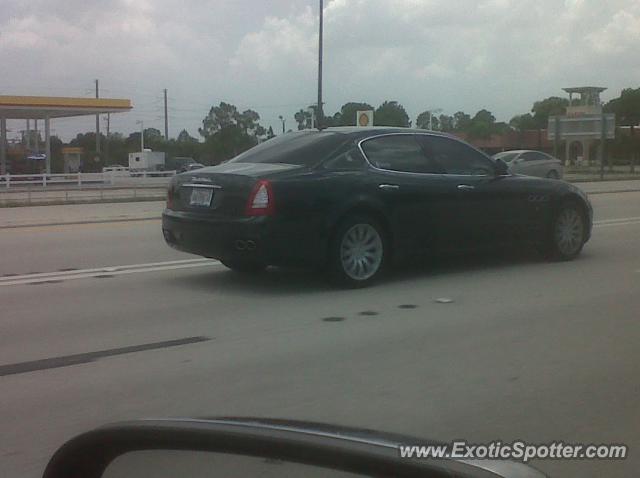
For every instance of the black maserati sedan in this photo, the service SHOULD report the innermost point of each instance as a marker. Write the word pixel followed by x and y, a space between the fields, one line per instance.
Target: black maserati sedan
pixel 353 201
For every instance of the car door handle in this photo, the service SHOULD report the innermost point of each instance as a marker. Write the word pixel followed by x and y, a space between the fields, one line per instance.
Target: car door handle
pixel 466 187
pixel 388 187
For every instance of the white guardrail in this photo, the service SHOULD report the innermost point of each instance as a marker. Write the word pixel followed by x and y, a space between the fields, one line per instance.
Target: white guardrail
pixel 141 178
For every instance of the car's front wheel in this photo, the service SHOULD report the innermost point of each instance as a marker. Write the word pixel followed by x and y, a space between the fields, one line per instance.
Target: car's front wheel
pixel 358 251
pixel 568 232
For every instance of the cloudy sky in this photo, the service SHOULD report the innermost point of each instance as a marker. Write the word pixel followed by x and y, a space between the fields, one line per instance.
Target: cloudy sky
pixel 261 54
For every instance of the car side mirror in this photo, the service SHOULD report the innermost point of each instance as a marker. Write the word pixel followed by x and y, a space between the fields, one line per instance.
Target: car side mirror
pixel 257 447
pixel 502 168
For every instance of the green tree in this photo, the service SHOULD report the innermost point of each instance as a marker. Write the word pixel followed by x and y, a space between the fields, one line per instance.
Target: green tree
pixel 303 118
pixel 219 117
pixel 184 146
pixel 391 113
pixel 115 150
pixel 91 160
pixel 446 123
pixel 626 107
pixel 551 106
pixel 483 125
pixel 461 121
pixel 347 114
pixel 425 121
pixel 227 132
pixel 270 133
pixel 185 138
pixel 331 121
pixel 153 139
pixel 627 110
pixel 523 122
pixel 57 160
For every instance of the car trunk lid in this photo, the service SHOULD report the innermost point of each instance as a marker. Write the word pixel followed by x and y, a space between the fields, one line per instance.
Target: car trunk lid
pixel 221 190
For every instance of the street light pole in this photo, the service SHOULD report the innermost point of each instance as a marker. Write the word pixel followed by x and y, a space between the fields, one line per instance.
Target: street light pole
pixel 283 121
pixel 319 114
pixel 431 112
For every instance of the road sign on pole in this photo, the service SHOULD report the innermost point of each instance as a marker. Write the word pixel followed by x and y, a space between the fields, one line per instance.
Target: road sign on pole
pixel 364 118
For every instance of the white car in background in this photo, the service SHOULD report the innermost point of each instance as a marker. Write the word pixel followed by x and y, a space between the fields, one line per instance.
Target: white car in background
pixel 116 171
pixel 532 163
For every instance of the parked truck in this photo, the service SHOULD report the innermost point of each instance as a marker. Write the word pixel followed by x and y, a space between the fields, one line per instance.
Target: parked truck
pixel 146 161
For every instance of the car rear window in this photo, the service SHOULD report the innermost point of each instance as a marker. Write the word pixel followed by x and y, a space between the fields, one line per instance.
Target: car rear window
pixel 307 148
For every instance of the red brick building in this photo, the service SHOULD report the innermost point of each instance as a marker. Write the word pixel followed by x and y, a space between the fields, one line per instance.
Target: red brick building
pixel 529 139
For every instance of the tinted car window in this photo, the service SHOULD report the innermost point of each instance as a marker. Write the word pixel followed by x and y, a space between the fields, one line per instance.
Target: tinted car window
pixel 346 161
pixel 399 153
pixel 306 148
pixel 531 156
pixel 456 157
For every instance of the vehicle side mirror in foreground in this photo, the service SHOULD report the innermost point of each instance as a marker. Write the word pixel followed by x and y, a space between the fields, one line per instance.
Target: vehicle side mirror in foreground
pixel 250 447
pixel 502 168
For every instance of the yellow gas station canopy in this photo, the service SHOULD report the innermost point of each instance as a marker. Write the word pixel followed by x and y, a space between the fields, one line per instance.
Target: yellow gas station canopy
pixel 39 107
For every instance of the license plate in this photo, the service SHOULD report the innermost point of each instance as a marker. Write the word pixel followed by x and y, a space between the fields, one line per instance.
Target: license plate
pixel 201 197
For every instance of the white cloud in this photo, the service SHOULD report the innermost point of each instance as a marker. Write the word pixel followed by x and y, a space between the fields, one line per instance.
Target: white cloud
pixel 454 54
pixel 499 54
pixel 621 34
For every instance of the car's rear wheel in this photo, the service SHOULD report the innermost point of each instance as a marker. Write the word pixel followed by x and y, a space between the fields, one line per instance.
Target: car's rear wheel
pixel 244 266
pixel 568 232
pixel 358 251
pixel 553 174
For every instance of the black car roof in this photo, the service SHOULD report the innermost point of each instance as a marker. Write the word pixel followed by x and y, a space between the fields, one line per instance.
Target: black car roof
pixel 360 132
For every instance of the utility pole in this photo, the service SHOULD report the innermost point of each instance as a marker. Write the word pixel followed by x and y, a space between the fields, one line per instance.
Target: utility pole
pixel 556 137
pixel 106 146
pixel 97 122
pixel 37 136
pixel 320 115
pixel 166 117
pixel 3 145
pixel 28 140
pixel 283 122
pixel 603 137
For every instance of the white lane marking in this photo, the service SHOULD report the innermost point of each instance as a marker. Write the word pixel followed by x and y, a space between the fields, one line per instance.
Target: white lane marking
pixel 111 271
pixel 630 223
pixel 182 264
pixel 619 219
pixel 620 222
pixel 106 269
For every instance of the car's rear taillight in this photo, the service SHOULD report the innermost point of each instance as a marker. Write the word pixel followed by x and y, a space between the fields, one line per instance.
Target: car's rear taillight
pixel 261 200
pixel 170 197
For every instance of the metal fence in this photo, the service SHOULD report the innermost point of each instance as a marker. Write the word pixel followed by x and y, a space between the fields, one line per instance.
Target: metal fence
pixel 41 189
pixel 84 180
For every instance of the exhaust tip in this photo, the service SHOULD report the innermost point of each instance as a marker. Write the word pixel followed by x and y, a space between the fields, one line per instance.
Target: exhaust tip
pixel 251 245
pixel 240 245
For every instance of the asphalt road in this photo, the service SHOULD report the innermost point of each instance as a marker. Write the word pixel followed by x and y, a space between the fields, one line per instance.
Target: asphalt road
pixel 526 349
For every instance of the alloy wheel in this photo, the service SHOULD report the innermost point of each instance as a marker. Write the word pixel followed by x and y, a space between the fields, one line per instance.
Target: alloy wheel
pixel 361 251
pixel 569 231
